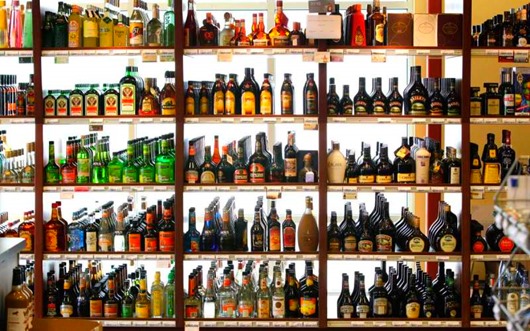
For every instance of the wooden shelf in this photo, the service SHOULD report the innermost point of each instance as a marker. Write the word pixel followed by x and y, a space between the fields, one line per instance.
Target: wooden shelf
pixel 257 119
pixel 17 120
pixel 128 256
pixel 395 322
pixel 109 120
pixel 272 256
pixel 494 120
pixel 388 119
pixel 396 256
pixel 118 51
pixel 268 187
pixel 109 188
pixel 404 188
pixel 252 323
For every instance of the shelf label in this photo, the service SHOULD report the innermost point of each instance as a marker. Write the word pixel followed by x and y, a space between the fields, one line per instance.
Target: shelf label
pixel 322 57
pixel 66 195
pixel 477 195
pixel 378 57
pixel 351 195
pixel 95 128
pixel 323 26
pixel 505 56
pixel 224 55
pixel 61 60
pixel 337 56
pixel 25 59
pixel 321 6
pixel 245 324
pixel 149 56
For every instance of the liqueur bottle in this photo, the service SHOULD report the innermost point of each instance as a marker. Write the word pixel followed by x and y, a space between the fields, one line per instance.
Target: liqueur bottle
pixel 308 229
pixel 362 101
pixel 287 96
pixel 437 103
pixel 249 95
pixel 336 165
pixel 266 96
pixel 491 100
pixel 334 234
pixel 257 234
pixel 258 165
pixel 379 100
pixel 507 94
pixel 416 97
pixel 492 166
pixel 310 96
pixel 386 232
pixel 475 302
pixel 277 168
pixel 345 106
pixel 345 308
pixel 190 26
pixel 290 159
pixel 279 34
pixel 506 154
pixel 453 99
pixel 404 164
pixel 395 100
pixel 476 165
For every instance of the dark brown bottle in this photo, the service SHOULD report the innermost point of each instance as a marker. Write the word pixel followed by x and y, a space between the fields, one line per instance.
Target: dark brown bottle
pixel 386 232
pixel 310 96
pixel 478 243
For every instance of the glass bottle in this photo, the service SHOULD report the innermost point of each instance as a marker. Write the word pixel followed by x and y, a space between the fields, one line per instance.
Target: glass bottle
pixel 453 99
pixel 266 96
pixel 192 236
pixel 165 165
pixel 333 101
pixel 507 94
pixel 168 95
pixel 362 101
pixel 75 28
pixel 416 96
pixel 208 239
pixel 143 304
pixel 225 170
pixel 90 29
pixel 226 235
pixel 190 26
pixel 492 166
pixel 506 154
pixel 154 28
pixel 379 100
pixel 491 100
pixel 226 297
pixel 121 33
pixel 192 303
pixel 404 164
pixel 157 297
pixel 476 301
pixel 130 170
pixel 287 96
pixel 27 34
pixel 106 30
pixel 69 170
pixel 115 169
pixel 149 101
pixel 291 159
pixel 346 103
pixel 136 26
pixel 249 95
pixel 279 34
pixel 207 169
pixel 241 233
pixel 334 234
pixel 386 232
pixel 367 169
pixel 260 37
pixel 475 102
pixel 129 93
pixel 54 233
pixel 423 158
pixel 169 295
pixel 166 229
pixel 308 232
pixel 228 32
pixel 257 233
pixel 232 96
pixel 191 170
pixel 277 169
pixel 209 32
pixel 241 171
pixel 60 28
pixel 100 174
pixel 310 96
pixel 437 103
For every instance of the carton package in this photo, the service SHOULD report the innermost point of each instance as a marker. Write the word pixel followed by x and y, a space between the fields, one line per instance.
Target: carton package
pixel 521 82
pixel 449 30
pixel 425 30
pixel 400 29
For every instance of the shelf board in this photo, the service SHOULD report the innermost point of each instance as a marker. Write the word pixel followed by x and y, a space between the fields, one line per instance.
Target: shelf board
pixel 123 51
pixel 253 323
pixel 109 188
pixel 24 52
pixel 487 323
pixel 500 120
pixel 16 120
pixel 272 256
pixel 485 188
pixel 405 188
pixel 401 119
pixel 17 188
pixel 109 120
pixel 376 323
pixel 301 187
pixel 122 322
pixel 396 50
pixel 26 256
pixel 497 256
pixel 397 256
pixel 495 52
pixel 258 119
pixel 128 256
pixel 288 50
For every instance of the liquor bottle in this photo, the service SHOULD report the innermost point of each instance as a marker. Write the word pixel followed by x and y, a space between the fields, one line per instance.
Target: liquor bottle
pixel 336 165
pixel 345 308
pixel 54 233
pixel 226 298
pixel 232 96
pixel 349 234
pixel 207 169
pixel 384 169
pixel 310 96
pixel 165 165
pixel 476 165
pixel 149 101
pixel 75 28
pixel 475 102
pixel 111 306
pixel 166 229
pixel 142 305
pixel 413 300
pixel 121 33
pixel 379 301
pixel 308 233
pixel 386 232
pixel 491 100
pixel 395 100
pixel 90 29
pixel 258 165
pixel 249 95
pixel 379 100
pixel 290 159
pixel 209 32
pixel 417 242
pixel 446 239
pixel 154 28
pixel 332 99
pixel 168 95
pixel 507 94
pixel 478 243
pixel 227 33
pixel 475 302
pixel 309 294
pixel 279 34
pixel 361 101
pixel 129 93
pixel 367 169
pixel 274 236
pixel 241 234
pixel 52 170
pixel 452 299
pixel 257 233
pixel 307 174
pixel 277 170
pixel 415 95
pixel 492 166
pixel 242 39
pixel 190 26
pixel 82 302
pixel 487 299
pixel 378 22
pixel 497 240
pixel 169 295
pixel 106 30
pixel 287 96
pixel 136 26
pixel 263 297
pixel 157 297
pixel 192 236
pixel 453 99
pixel 192 303
pixel 17 303
pixel 226 236
pixel 241 171
pixel 404 164
pixel 437 103
pixel 266 96
pixel 506 154
pixel 297 37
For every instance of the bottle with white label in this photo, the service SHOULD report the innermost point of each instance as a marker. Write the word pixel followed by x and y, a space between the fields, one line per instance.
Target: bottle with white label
pixel 423 158
pixel 452 167
pixel 278 296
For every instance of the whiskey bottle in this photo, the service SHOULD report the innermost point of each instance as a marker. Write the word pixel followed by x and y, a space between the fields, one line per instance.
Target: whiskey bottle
pixel 207 169
pixel 475 302
pixel 379 100
pixel 310 96
pixel 266 96
pixel 451 167
pixel 491 100
pixel 492 166
pixel 506 154
pixel 362 101
pixel 395 100
pixel 476 165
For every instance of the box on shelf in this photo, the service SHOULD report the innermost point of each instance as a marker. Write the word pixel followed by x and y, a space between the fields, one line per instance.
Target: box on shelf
pixel 521 82
pixel 449 30
pixel 400 29
pixel 425 30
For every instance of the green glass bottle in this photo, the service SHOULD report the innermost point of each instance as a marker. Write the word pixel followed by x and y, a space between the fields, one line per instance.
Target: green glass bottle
pixel 52 171
pixel 84 162
pixel 115 169
pixel 130 171
pixel 164 166
pixel 147 171
pixel 100 174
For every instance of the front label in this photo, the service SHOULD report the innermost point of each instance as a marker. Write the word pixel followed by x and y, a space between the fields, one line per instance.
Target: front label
pixel 110 104
pixel 383 243
pixel 448 243
pixel 128 99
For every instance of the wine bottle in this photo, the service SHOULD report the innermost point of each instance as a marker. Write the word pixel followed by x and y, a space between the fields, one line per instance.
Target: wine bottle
pixel 475 302
pixel 345 307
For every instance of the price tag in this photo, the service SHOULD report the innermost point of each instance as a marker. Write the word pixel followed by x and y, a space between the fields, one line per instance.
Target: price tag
pixel 443 258
pixel 125 120
pixel 438 188
pixel 227 120
pixel 279 324
pixel 149 56
pixel 402 52
pixel 477 195
pixel 415 323
pixel 308 57
pixel 247 120
pixel 384 120
pixel 492 52
pixel 310 125
pixel 523 120
pixel 337 56
pixel 380 324
pixel 166 56
pixel 310 324
pixel 423 51
pixel 95 120
pixel 66 196
pixel 53 256
pixel 231 324
pixel 209 324
pixel 287 119
pixel 378 57
pixel 337 119
pixel 95 128
pixel 419 120
pixel 97 188
pixel 509 120
pixel 520 56
pixel 168 324
pixel 447 51
pixel 25 59
pixel 322 57
pixel 269 120
pixel 296 324
pixel 263 324
pixel 404 188
pixel 139 323
pixel 245 324
pixel 350 195
pixel 224 55
pixel 399 323
pixel 153 323
pixel 61 60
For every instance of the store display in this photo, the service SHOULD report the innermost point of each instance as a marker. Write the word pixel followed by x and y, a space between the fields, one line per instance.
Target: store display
pixel 17 166
pixel 16 100
pixel 19 302
pixel 508 29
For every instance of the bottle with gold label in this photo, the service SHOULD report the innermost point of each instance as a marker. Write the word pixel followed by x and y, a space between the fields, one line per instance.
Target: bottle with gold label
pixel 143 304
pixel 106 31
pixel 157 297
pixel 90 29
pixel 54 233
pixel 367 169
pixel 232 96
pixel 120 34
pixel 266 102
pixel 75 28
pixel 279 34
pixel 218 96
pixel 190 100
pixel 287 96
pixel 150 105
pixel 129 93
pixel 492 166
pixel 476 165
pixel 26 230
pixel 168 95
pixel 417 242
pixel 249 95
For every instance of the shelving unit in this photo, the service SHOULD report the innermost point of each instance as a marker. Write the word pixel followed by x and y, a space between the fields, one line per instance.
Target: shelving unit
pixel 432 125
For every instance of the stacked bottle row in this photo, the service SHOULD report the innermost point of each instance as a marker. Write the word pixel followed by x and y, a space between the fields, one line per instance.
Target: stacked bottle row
pixel 239 166
pixel 133 96
pixel 226 231
pixel 91 293
pixel 509 29
pixel 432 97
pixel 400 293
pixel 16 29
pixel 495 240
pixel 231 98
pixel 249 292
pixel 16 100
pixel 108 27
pixel 19 305
pixel 110 229
pixel 16 229
pixel 495 163
pixel 17 166
pixel 88 160
pixel 417 160
pixel 376 232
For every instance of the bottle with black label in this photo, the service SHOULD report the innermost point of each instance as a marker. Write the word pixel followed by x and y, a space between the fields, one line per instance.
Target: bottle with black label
pixel 333 100
pixel 475 103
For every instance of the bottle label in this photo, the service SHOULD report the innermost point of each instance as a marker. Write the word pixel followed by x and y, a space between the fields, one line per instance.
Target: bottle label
pixel 96 308
pixel 278 306
pixel 334 245
pixel 52 242
pixel 379 34
pixel 136 33
pixel 383 179
pixel 308 306
pixel 90 29
pixel 506 245
pixel 245 310
pixel 62 107
pixel 51 309
pixel 294 305
pixel 416 245
pixel 151 244
pixel 169 106
pixel 76 105
pixel 192 176
pixel 448 243
pixel 396 107
pixel 194 246
pixel 126 311
pixel 192 311
pixel 257 242
pixel 366 246
pixel 475 108
pixel 352 180
pixel 49 106
pixel 248 103
pixel 359 37
pixel 290 166
pixel 83 169
pixel 230 103
pixel 311 102
pixel 406 178
pixel 16 319
pixel 157 303
pixel 493 107
pixel 147 107
pixel 147 175
pixel 110 310
pixel 228 307
pixel 28 237
pixel 366 179
pixel 350 243
pixel 110 104
pixel 74 35
pixel 362 311
pixel 289 238
pixel 280 41
pixel 455 175
pixel 512 303
pixel 142 310
pixel 240 176
pixel 509 100
pixel 413 310
pixel 418 104
pixel 492 173
pixel 92 104
pixel 287 103
pixel 275 239
pixel 383 243
pixel 167 241
pixel 361 107
pixel 476 311
pixel 379 107
pixel 478 247
pixel 105 242
pixel 135 242
pixel 190 106
pixel 380 306
pixel 257 173
pixel 91 242
pixel 164 172
pixel 69 175
pixel 346 311
pixel 204 105
pixel 265 102
pixel 127 99
pixel 208 177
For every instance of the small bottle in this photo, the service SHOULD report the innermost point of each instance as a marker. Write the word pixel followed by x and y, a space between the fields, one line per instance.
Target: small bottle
pixel 491 100
pixel 307 174
pixel 475 103
pixel 310 96
pixel 266 96
pixel 287 96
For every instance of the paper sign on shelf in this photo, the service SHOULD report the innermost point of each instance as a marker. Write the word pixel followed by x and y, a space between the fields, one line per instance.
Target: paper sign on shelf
pixel 323 27
pixel 321 6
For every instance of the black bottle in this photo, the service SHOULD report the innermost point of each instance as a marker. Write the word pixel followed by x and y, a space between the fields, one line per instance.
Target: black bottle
pixel 362 101
pixel 438 106
pixel 333 100
pixel 346 103
pixel 379 100
pixel 416 98
pixel 395 100
pixel 507 94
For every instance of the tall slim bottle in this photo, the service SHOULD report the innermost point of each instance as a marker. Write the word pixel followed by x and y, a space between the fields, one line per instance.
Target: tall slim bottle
pixel 27 38
pixel 308 229
pixel 15 25
pixel 3 25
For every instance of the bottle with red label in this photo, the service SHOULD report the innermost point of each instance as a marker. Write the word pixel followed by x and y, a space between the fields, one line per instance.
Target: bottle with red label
pixel 497 240
pixel 166 234
pixel 289 232
pixel 151 236
pixel 478 243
